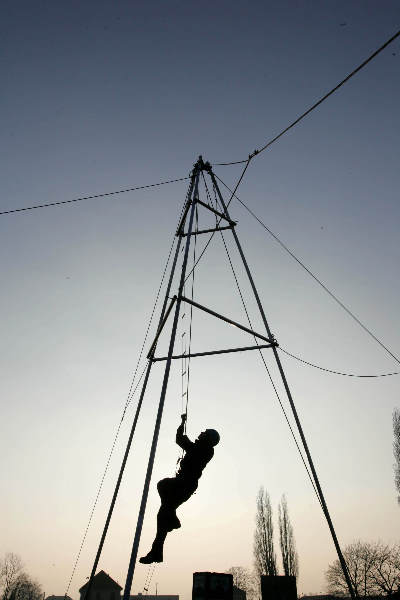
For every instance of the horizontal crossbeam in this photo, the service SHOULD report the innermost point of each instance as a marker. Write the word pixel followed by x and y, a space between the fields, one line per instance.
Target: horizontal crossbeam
pixel 215 314
pixel 210 230
pixel 227 351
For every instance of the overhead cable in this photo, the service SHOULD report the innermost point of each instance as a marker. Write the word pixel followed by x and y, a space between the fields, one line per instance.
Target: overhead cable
pixel 310 364
pixel 333 90
pixel 324 287
pixel 132 189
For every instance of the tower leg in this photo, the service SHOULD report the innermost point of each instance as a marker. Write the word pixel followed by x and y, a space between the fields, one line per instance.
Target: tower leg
pixel 139 525
pixel 289 395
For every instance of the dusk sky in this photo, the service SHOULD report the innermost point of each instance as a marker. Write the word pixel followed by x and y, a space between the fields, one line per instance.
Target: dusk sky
pixel 102 96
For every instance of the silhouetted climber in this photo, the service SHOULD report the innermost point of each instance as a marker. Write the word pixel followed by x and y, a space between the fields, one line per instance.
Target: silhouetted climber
pixel 174 491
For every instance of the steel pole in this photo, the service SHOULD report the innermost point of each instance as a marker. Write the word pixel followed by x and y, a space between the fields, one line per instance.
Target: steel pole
pixel 138 408
pixel 288 393
pixel 139 526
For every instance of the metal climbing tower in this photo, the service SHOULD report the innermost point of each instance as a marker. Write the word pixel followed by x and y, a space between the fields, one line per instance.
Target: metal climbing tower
pixel 173 302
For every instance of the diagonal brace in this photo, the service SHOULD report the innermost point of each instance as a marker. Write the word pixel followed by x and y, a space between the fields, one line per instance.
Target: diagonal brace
pixel 221 215
pixel 215 314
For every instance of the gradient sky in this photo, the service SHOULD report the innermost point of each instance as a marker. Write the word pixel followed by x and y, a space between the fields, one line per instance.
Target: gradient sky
pixel 100 96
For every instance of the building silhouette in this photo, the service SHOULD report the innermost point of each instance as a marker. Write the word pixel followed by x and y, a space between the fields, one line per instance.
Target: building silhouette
pixel 278 587
pixel 105 588
pixel 154 597
pixel 238 594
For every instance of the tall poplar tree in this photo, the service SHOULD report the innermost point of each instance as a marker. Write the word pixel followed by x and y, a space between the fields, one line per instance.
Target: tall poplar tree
pixel 290 561
pixel 396 449
pixel 264 553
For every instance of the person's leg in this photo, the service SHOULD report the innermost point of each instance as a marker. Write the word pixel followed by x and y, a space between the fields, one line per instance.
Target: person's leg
pixel 165 487
pixel 173 492
pixel 168 490
pixel 166 520
pixel 156 552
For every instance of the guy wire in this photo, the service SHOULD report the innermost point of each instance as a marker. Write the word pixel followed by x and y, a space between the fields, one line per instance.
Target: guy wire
pixel 324 287
pixel 129 399
pixel 263 360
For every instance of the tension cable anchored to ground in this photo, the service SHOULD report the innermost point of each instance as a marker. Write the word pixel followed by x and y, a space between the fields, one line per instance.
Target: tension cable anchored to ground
pixel 324 287
pixel 132 390
pixel 307 112
pixel 260 349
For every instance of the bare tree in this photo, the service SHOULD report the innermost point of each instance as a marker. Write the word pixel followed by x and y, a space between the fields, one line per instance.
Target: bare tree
pixel 360 560
pixel 263 549
pixel 396 449
pixel 290 561
pixel 26 589
pixel 10 569
pixel 374 569
pixel 15 584
pixel 385 573
pixel 246 581
pixel 240 577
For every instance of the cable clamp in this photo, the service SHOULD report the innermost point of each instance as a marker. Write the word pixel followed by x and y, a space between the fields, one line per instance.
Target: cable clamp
pixel 273 341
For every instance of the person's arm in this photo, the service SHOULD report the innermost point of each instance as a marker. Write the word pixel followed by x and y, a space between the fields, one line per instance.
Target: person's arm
pixel 181 439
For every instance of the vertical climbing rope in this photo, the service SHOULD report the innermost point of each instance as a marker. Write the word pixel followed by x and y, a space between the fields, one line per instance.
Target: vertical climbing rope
pixel 148 579
pixel 191 312
pixel 186 335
